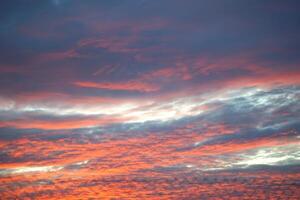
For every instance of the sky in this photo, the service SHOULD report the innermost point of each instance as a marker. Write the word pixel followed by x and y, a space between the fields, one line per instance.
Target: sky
pixel 148 99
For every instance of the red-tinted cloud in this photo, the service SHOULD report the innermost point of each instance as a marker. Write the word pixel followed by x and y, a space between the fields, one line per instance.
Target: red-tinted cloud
pixel 149 100
pixel 130 86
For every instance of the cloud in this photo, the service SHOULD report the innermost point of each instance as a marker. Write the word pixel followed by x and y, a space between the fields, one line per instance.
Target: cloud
pixel 129 86
pixel 21 170
pixel 282 155
pixel 149 100
pixel 59 124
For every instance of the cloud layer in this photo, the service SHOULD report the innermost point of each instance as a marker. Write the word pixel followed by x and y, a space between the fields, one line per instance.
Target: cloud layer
pixel 149 99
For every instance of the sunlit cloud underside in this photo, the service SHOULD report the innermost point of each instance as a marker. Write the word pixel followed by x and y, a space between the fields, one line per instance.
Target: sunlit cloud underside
pixel 149 100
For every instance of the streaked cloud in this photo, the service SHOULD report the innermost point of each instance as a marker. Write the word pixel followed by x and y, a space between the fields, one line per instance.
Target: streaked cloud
pixel 149 99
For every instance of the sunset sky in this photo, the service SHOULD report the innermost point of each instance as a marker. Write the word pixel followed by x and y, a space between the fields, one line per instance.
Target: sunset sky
pixel 150 99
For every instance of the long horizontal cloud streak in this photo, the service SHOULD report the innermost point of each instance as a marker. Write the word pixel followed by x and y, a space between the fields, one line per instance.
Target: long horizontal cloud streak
pixel 119 86
pixel 149 100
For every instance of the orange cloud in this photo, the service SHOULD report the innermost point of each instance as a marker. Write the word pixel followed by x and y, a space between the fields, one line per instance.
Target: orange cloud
pixel 131 86
pixel 59 124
